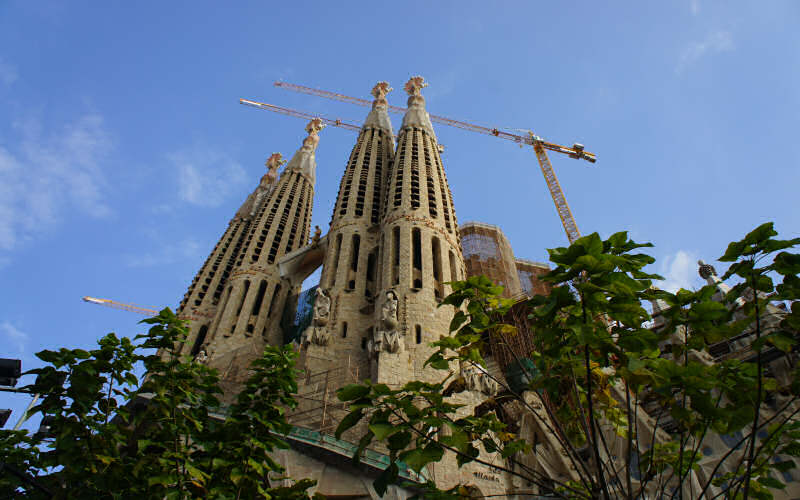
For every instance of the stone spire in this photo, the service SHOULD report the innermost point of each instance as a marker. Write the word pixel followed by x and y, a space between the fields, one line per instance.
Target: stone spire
pixel 417 116
pixel 350 270
pixel 420 251
pixel 304 160
pixel 708 273
pixel 379 117
pixel 264 188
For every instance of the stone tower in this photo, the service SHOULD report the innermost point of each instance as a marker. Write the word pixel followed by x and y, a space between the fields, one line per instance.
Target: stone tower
pixel 202 300
pixel 420 250
pixel 349 273
pixel 249 293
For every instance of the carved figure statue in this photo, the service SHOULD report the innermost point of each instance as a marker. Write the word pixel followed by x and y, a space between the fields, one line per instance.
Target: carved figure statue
pixel 386 337
pixel 478 380
pixel 201 356
pixel 317 235
pixel 389 311
pixel 322 308
pixel 317 332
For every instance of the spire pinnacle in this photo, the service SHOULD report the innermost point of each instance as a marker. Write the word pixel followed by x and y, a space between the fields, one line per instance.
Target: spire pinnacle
pixel 379 92
pixel 303 160
pixel 273 163
pixel 414 85
pixel 379 117
pixel 416 116
pixel 314 126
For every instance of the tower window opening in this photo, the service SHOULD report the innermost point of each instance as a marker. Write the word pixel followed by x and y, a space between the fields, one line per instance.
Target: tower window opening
pixel 293 232
pixel 418 334
pixel 396 255
pixel 416 243
pixel 250 328
pixel 362 180
pixel 349 177
pixel 414 171
pixel 335 260
pixel 453 274
pixel 273 299
pixel 262 289
pixel 344 330
pixel 364 343
pixel 398 184
pixel 198 342
pixel 376 182
pixel 354 252
pixel 352 273
pixel 436 252
pixel 244 296
pixel 371 267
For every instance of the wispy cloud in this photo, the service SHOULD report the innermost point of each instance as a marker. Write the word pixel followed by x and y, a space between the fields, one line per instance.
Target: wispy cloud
pixel 46 175
pixel 206 177
pixel 680 271
pixel 165 255
pixel 715 42
pixel 14 337
pixel 8 73
pixel 694 6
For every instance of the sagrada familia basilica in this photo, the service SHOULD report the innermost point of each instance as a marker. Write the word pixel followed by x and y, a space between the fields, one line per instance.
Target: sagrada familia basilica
pixel 393 244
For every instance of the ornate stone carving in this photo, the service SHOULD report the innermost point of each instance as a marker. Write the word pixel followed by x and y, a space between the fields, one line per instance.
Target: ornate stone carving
pixel 478 380
pixel 379 92
pixel 386 337
pixel 267 183
pixel 389 311
pixel 202 356
pixel 317 235
pixel 317 333
pixel 706 270
pixel 414 85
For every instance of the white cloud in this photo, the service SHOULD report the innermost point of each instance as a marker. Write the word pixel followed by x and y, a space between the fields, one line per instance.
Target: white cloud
pixel 715 42
pixel 694 6
pixel 14 337
pixel 165 255
pixel 8 73
pixel 45 176
pixel 679 271
pixel 206 177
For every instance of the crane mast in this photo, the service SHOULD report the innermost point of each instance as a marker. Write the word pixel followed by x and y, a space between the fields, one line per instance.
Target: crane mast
pixel 540 148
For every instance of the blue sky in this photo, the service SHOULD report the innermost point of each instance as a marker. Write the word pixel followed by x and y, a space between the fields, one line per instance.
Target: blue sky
pixel 124 151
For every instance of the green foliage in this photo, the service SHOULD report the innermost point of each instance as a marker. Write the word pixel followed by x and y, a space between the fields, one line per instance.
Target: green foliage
pixel 596 359
pixel 166 436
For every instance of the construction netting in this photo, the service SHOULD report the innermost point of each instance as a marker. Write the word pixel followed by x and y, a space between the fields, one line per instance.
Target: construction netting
pixel 487 252
pixel 530 277
pixel 298 313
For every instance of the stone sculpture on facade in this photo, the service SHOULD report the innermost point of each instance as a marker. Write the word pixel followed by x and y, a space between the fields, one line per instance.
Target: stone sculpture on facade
pixel 317 333
pixel 387 338
pixel 201 356
pixel 478 380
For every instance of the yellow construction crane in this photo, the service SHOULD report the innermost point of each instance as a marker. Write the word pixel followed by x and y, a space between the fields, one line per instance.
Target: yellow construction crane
pixel 119 305
pixel 540 146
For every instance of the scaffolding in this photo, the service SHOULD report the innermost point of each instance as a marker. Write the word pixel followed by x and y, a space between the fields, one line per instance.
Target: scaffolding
pixel 487 252
pixel 318 407
pixel 529 273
